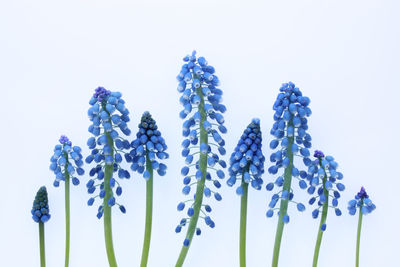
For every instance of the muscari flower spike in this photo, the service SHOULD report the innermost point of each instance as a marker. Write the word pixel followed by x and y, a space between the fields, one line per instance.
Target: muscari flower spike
pixel 202 109
pixel 109 116
pixel 323 181
pixel 291 139
pixel 40 208
pixel 148 140
pixel 361 201
pixel 247 160
pixel 66 161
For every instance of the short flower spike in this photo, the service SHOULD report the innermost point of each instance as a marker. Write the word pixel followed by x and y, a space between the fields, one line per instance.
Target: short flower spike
pixel 66 163
pixel 40 209
pixel 246 165
pixel 202 111
pixel 363 203
pixel 323 181
pixel 290 139
pixel 40 214
pixel 109 118
pixel 147 150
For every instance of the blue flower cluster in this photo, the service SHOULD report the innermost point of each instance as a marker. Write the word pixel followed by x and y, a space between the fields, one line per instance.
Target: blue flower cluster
pixel 201 101
pixel 40 208
pixel 362 201
pixel 290 133
pixel 108 114
pixel 148 142
pixel 66 161
pixel 324 179
pixel 248 160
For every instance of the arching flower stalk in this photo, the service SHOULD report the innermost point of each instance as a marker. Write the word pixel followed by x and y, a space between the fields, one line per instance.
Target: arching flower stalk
pixel 246 165
pixel 40 214
pixel 109 116
pixel 146 149
pixel 324 180
pixel 364 205
pixel 66 163
pixel 289 130
pixel 201 102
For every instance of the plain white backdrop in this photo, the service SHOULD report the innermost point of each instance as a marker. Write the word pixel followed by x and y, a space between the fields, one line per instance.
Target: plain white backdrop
pixel 344 55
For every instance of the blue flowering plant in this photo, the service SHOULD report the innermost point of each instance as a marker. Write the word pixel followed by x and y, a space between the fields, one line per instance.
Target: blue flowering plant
pixel 41 214
pixel 66 163
pixel 323 181
pixel 148 149
pixel 290 139
pixel 364 205
pixel 247 166
pixel 109 116
pixel 203 144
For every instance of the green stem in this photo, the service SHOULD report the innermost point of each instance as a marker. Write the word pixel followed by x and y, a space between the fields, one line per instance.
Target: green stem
pixel 67 213
pixel 200 185
pixel 149 213
pixel 243 220
pixel 107 209
pixel 324 214
pixel 360 216
pixel 284 202
pixel 41 241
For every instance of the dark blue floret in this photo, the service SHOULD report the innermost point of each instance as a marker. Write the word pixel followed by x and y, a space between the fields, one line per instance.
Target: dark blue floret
pixel 40 208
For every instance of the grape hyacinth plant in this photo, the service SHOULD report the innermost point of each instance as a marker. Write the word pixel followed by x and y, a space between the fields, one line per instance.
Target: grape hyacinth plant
pixel 246 165
pixel 363 203
pixel 146 149
pixel 201 100
pixel 324 180
pixel 109 116
pixel 40 214
pixel 290 132
pixel 66 163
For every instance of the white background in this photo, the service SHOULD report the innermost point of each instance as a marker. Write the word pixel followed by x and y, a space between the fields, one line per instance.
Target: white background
pixel 344 55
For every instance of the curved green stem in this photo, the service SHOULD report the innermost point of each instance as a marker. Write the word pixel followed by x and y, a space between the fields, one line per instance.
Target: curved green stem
pixel 149 213
pixel 243 221
pixel 41 241
pixel 107 209
pixel 360 216
pixel 284 202
pixel 324 214
pixel 200 185
pixel 67 219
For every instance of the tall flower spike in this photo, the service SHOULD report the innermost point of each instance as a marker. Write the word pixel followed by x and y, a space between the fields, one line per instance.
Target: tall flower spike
pixel 363 203
pixel 148 148
pixel 323 182
pixel 109 116
pixel 40 214
pixel 246 165
pixel 201 101
pixel 66 163
pixel 290 133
